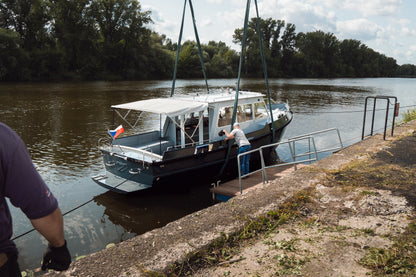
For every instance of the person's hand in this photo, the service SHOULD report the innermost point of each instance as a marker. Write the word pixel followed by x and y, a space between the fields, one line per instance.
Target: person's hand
pixel 56 258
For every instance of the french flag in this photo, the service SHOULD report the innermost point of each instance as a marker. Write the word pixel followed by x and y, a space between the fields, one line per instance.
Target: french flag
pixel 117 131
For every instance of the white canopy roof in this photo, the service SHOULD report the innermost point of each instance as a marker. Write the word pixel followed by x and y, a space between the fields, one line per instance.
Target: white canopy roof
pixel 169 106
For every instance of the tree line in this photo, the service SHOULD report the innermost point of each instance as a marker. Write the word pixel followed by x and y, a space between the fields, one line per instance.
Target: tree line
pixel 47 40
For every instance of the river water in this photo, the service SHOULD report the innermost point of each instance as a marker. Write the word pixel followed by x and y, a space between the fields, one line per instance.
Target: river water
pixel 62 122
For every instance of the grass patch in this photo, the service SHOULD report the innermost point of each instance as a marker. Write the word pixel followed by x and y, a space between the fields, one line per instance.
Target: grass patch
pixel 408 115
pixel 226 248
pixel 289 264
pixel 392 170
pixel 400 259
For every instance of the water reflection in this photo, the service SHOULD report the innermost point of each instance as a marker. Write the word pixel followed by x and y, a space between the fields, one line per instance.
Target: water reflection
pixel 62 122
pixel 147 210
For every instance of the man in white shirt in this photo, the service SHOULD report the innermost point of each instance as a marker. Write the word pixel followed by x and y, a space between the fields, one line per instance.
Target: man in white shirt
pixel 243 146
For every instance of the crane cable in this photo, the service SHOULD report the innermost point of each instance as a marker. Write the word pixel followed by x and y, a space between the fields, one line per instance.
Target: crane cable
pixel 243 44
pixel 201 57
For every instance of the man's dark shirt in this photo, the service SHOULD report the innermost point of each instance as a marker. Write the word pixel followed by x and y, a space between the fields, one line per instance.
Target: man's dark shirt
pixel 22 184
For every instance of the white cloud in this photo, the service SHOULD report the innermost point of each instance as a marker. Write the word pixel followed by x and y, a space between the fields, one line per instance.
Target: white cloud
pixel 387 26
pixel 205 22
pixel 373 7
pixel 360 29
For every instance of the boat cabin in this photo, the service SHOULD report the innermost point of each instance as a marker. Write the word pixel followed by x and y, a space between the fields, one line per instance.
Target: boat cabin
pixel 192 122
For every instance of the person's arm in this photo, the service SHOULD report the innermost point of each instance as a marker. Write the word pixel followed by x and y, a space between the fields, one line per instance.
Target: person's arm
pixel 26 190
pixel 228 135
pixel 51 227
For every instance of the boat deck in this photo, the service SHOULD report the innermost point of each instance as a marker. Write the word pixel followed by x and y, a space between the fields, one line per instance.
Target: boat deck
pixel 232 188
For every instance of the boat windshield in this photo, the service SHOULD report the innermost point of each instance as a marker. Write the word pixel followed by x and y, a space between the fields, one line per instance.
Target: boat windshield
pixel 260 110
pixel 244 113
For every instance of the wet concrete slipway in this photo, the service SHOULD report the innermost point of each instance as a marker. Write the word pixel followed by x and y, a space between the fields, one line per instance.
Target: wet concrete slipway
pixel 157 250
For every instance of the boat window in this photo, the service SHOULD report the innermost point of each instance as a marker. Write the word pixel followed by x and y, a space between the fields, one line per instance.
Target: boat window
pixel 225 116
pixel 244 113
pixel 192 126
pixel 260 110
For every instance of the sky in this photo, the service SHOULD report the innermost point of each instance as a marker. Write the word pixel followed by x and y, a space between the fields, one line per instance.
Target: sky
pixel 386 26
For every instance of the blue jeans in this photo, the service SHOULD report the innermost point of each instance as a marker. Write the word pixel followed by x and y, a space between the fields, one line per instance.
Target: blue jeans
pixel 244 160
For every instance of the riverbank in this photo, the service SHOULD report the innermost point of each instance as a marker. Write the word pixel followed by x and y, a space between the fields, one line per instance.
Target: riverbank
pixel 320 220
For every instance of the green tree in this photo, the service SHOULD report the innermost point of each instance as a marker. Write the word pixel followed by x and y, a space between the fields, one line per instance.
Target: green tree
pixel 12 58
pixel 76 37
pixel 221 60
pixel 124 38
pixel 277 47
pixel 406 70
pixel 189 65
pixel 160 58
pixel 288 51
pixel 28 19
pixel 351 57
pixel 320 52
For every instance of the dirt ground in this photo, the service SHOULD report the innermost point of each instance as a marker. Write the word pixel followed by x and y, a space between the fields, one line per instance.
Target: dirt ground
pixel 366 205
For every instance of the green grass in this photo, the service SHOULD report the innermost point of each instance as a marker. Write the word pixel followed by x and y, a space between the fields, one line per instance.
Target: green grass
pixel 408 115
pixel 399 259
pixel 226 248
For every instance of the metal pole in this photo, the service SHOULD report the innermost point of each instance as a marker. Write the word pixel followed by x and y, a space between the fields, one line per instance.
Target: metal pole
pixel 239 173
pixel 394 114
pixel 365 113
pixel 291 152
pixel 374 112
pixel 263 166
pixel 314 146
pixel 387 116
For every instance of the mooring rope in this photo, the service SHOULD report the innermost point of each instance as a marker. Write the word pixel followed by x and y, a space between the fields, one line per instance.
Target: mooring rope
pixel 71 210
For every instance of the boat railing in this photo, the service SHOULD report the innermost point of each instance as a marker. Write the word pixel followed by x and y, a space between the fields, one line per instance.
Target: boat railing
pixel 263 167
pixel 144 155
pixel 179 146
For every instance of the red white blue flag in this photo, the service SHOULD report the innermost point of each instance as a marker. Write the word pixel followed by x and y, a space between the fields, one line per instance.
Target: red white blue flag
pixel 117 131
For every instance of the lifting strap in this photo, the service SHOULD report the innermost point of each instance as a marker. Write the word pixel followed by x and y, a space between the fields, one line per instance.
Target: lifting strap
pixel 243 46
pixel 179 46
pixel 263 61
pixel 239 77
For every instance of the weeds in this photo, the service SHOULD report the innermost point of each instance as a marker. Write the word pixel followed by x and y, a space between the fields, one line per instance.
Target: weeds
pixel 408 115
pixel 398 259
pixel 227 246
pixel 289 264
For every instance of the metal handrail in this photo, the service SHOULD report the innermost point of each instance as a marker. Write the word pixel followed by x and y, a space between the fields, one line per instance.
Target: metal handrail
pixel 321 132
pixel 291 142
pixel 374 111
pixel 263 164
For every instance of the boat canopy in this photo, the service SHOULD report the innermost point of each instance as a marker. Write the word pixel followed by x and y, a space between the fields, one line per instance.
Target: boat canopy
pixel 167 106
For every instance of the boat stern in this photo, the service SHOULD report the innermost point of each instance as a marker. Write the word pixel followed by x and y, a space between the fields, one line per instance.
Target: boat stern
pixel 118 184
